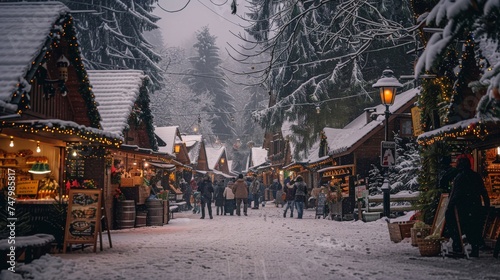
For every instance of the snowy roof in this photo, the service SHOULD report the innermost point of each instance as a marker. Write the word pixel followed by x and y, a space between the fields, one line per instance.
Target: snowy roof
pixel 193 144
pixel 169 135
pixel 341 140
pixel 313 152
pixel 116 92
pixel 259 156
pixel 213 155
pixel 24 29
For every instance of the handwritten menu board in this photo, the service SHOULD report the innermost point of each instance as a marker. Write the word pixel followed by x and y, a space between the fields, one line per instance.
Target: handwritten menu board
pixel 27 187
pixel 84 217
pixel 75 168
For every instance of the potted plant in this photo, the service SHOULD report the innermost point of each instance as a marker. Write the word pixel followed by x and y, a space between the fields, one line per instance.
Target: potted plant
pixel 418 231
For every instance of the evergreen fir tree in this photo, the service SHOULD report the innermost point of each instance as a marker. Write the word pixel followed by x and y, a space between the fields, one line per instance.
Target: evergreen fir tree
pixel 177 104
pixel 113 37
pixel 404 174
pixel 320 60
pixel 250 128
pixel 206 76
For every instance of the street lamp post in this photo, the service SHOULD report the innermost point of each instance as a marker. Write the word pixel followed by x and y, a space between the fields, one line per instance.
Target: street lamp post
pixel 388 84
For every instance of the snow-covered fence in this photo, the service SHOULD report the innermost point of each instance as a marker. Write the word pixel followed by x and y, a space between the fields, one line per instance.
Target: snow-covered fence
pixel 402 201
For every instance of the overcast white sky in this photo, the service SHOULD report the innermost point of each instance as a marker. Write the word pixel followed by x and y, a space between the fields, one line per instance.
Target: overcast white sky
pixel 178 28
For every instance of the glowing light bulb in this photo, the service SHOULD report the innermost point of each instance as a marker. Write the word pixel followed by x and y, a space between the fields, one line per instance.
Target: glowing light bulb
pixel 38 147
pixel 11 142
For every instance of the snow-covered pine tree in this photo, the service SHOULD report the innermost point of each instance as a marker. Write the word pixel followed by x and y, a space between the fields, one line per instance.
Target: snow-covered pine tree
pixel 403 176
pixel 206 76
pixel 375 180
pixel 257 100
pixel 177 104
pixel 113 37
pixel 320 59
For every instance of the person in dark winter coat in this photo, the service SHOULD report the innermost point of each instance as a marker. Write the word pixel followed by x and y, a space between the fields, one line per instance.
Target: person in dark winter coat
pixel 219 197
pixel 240 190
pixel 300 195
pixel 186 193
pixel 290 197
pixel 467 192
pixel 255 190
pixel 275 187
pixel 206 189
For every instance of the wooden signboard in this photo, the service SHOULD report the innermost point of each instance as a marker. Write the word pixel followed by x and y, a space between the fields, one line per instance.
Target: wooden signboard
pixel 84 217
pixel 439 218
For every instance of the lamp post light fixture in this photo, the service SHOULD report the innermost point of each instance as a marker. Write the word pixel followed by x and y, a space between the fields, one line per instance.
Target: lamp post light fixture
pixel 387 84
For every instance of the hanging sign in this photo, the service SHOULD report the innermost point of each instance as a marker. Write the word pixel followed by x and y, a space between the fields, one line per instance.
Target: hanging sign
pixel 337 171
pixel 388 154
pixel 84 217
pixel 415 119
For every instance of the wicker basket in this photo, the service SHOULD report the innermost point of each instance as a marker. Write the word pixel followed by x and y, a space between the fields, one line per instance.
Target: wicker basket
pixel 419 233
pixel 429 247
pixel 399 230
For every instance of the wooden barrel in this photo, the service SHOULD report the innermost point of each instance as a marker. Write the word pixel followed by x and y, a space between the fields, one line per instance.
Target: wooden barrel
pixel 125 214
pixel 155 212
pixel 140 219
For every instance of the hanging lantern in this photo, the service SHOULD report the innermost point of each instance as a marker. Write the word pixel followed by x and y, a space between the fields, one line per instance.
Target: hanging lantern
pixel 387 84
pixel 62 65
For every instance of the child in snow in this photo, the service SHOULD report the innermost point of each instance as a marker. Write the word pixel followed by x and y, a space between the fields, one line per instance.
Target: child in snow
pixel 197 202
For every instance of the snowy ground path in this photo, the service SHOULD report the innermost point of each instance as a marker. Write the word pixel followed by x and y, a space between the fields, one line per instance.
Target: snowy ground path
pixel 263 245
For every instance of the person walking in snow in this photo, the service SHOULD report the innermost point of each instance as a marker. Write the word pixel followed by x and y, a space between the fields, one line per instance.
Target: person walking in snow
pixel 467 196
pixel 206 190
pixel 248 181
pixel 186 193
pixel 240 191
pixel 194 185
pixel 196 202
pixel 262 191
pixel 229 202
pixel 255 190
pixel 219 197
pixel 275 187
pixel 290 198
pixel 300 195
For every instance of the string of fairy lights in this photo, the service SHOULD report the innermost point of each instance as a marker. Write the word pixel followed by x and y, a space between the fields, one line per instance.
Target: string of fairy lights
pixel 448 91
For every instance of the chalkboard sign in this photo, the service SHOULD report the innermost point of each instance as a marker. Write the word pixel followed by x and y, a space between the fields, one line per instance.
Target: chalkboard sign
pixel 84 217
pixel 439 219
pixel 320 207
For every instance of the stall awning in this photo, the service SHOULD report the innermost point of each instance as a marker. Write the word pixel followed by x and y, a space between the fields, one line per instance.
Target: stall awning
pixel 294 165
pixel 221 173
pixel 470 129
pixel 341 170
pixel 168 166
pixel 143 151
